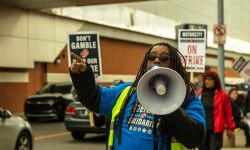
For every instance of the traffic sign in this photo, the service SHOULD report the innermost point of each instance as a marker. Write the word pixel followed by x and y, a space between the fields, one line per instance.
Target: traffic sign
pixel 220 32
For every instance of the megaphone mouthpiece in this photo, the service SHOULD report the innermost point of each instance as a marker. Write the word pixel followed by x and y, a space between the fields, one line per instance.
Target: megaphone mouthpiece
pixel 158 83
pixel 161 89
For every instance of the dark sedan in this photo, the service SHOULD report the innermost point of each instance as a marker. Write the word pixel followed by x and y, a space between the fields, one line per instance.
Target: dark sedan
pixel 50 102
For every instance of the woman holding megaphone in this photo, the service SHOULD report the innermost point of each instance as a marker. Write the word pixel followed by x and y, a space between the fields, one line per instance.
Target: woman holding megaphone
pixel 133 126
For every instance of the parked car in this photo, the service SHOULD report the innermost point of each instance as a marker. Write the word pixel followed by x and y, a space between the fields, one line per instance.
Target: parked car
pixel 15 132
pixel 77 119
pixel 78 123
pixel 50 102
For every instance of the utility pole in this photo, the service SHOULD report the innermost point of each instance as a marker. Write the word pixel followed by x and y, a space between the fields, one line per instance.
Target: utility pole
pixel 221 46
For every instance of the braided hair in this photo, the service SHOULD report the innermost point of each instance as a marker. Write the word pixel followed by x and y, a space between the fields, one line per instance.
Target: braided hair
pixel 176 64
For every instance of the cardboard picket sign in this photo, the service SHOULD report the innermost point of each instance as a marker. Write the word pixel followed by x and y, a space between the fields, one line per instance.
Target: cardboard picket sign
pixel 242 67
pixel 86 45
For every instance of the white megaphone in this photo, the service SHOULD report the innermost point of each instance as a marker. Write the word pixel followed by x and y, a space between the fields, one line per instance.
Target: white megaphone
pixel 161 90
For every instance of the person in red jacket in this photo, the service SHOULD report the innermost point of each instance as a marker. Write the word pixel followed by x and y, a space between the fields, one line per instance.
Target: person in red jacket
pixel 218 112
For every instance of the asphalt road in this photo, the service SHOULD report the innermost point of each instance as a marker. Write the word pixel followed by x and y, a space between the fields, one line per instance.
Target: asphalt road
pixel 52 135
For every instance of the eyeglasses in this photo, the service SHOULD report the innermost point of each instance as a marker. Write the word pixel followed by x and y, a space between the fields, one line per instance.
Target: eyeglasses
pixel 162 58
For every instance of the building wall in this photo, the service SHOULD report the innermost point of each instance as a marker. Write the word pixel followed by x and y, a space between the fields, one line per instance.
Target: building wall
pixel 19 84
pixel 37 78
pixel 34 53
pixel 29 37
pixel 121 57
pixel 13 95
pixel 119 60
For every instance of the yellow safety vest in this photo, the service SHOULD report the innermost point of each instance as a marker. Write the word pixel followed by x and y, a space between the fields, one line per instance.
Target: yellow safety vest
pixel 115 111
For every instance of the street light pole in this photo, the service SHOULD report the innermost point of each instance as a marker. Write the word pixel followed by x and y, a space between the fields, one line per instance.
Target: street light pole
pixel 221 46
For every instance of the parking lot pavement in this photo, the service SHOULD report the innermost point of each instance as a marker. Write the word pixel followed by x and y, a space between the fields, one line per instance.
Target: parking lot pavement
pixel 44 130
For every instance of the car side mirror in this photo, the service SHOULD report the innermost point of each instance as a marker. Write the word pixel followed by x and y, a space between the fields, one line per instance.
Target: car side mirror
pixel 5 114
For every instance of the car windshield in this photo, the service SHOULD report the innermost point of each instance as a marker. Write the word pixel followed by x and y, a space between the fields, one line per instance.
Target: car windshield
pixel 57 88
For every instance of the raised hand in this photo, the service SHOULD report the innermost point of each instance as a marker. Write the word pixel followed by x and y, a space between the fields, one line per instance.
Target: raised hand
pixel 78 65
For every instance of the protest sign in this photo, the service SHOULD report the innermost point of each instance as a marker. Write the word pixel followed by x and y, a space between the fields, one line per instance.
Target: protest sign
pixel 86 45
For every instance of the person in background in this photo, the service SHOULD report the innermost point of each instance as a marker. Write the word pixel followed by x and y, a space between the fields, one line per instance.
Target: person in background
pixel 135 128
pixel 239 113
pixel 218 112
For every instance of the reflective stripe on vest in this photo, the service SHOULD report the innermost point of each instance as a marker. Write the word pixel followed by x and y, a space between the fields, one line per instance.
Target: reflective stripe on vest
pixel 115 111
pixel 178 146
pixel 175 145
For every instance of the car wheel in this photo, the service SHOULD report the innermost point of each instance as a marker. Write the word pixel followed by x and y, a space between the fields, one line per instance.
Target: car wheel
pixel 78 135
pixel 24 141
